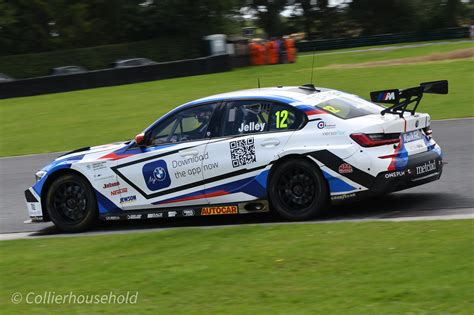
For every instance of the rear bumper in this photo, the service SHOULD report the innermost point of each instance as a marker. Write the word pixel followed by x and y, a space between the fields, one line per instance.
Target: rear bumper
pixel 421 168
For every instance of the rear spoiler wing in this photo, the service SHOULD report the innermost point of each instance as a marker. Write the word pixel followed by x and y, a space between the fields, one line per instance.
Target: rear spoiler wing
pixel 402 98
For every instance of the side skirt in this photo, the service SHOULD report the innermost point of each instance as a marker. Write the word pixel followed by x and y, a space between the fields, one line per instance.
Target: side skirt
pixel 179 212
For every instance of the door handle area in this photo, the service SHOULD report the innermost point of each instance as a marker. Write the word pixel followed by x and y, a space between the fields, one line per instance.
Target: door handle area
pixel 188 153
pixel 270 142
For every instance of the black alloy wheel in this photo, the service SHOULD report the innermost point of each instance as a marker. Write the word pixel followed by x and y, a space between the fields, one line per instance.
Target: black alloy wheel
pixel 71 203
pixel 298 190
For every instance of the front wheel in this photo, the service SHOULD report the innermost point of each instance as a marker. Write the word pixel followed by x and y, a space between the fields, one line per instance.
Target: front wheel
pixel 298 190
pixel 71 203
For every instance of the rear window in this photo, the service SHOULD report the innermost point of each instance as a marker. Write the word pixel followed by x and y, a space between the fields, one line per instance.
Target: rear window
pixel 347 108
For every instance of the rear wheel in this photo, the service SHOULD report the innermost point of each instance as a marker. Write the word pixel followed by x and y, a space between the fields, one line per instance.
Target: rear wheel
pixel 71 203
pixel 298 190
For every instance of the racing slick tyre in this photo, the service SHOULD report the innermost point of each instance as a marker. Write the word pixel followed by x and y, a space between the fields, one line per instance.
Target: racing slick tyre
pixel 71 203
pixel 298 190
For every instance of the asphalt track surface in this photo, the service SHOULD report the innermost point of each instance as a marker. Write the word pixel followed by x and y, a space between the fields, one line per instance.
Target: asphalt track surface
pixel 449 197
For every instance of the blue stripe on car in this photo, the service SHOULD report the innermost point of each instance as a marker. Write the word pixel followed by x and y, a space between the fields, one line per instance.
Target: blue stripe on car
pixel 105 205
pixel 337 185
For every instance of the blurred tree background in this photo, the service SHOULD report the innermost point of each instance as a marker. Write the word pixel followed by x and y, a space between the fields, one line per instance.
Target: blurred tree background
pixel 30 26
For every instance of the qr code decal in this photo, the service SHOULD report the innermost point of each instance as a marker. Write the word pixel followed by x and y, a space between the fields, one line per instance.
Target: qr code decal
pixel 242 152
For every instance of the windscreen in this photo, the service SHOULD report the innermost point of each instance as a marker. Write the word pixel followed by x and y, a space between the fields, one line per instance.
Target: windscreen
pixel 346 108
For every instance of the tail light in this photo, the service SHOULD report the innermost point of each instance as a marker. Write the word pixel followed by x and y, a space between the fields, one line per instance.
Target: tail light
pixel 375 139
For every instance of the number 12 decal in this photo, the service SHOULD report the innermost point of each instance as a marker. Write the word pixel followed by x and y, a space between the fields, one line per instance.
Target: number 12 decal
pixel 331 109
pixel 281 117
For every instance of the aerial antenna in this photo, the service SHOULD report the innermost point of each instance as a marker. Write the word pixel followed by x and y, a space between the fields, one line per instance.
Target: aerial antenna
pixel 310 86
pixel 258 82
pixel 312 66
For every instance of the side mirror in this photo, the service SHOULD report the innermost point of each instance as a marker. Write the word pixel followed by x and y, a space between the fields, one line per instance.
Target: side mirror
pixel 140 139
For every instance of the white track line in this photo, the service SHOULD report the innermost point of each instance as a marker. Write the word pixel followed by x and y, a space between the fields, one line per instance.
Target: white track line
pixel 34 235
pixel 385 48
pixel 454 119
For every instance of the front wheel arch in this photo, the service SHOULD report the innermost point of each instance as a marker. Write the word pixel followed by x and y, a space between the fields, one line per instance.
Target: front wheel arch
pixel 47 185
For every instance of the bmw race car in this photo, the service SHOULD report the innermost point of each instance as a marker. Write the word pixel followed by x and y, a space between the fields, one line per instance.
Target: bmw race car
pixel 293 150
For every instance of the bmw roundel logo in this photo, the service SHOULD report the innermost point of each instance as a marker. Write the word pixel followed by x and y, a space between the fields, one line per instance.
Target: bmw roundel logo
pixel 321 124
pixel 159 174
pixel 155 175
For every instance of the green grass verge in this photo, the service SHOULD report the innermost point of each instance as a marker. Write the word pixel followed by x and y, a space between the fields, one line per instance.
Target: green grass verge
pixel 65 121
pixel 423 267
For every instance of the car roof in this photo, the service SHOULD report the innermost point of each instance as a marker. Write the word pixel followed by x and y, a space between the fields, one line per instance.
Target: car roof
pixel 292 95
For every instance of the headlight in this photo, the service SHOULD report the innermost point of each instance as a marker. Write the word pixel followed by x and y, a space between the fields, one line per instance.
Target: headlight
pixel 39 175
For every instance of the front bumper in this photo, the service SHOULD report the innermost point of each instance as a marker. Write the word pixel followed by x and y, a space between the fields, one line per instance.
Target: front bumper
pixel 33 203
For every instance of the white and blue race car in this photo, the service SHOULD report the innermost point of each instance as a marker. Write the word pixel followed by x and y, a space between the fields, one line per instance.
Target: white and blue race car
pixel 293 150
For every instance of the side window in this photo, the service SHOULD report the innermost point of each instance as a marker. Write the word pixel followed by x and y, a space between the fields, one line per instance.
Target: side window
pixel 284 118
pixel 244 117
pixel 187 125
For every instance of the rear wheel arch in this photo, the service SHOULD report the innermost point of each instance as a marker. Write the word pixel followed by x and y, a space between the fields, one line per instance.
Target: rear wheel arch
pixel 293 157
pixel 297 188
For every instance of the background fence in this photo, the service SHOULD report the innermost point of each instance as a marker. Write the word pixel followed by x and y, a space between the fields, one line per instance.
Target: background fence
pixel 204 65
pixel 384 39
pixel 98 57
pixel 110 77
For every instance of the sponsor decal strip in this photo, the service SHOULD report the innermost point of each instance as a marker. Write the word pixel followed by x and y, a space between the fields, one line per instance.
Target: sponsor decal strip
pixel 345 168
pixel 396 174
pixel 343 197
pixel 219 210
pixel 128 199
pixel 111 185
pixel 426 167
pixel 174 212
pixel 118 191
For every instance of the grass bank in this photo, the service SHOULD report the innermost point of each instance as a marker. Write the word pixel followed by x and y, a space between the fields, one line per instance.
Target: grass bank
pixel 423 267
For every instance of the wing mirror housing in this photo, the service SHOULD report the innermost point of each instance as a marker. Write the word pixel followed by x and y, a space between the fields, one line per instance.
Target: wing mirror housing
pixel 140 140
